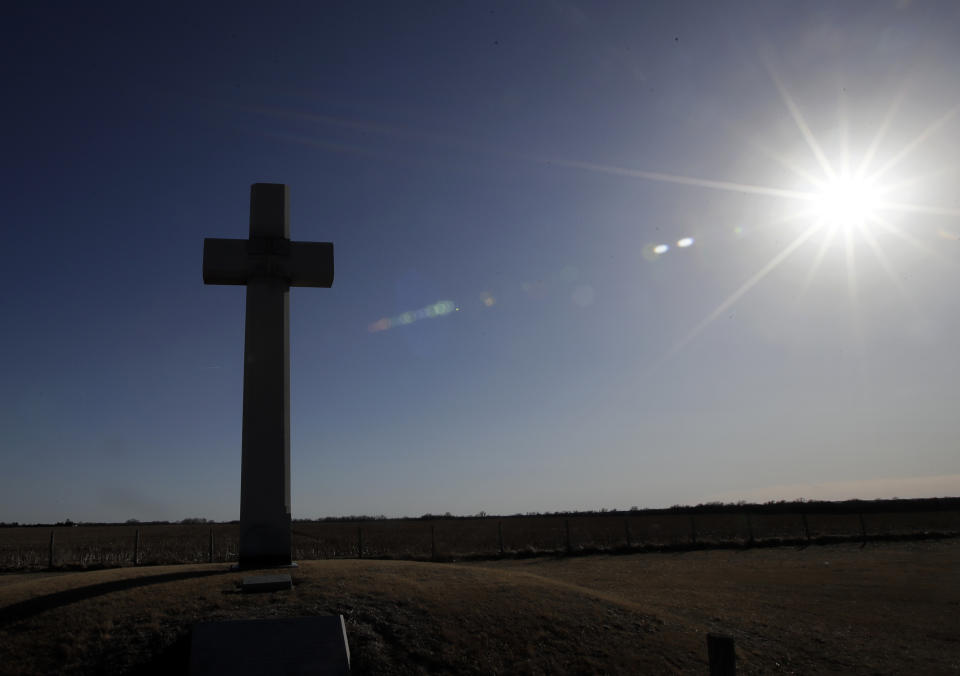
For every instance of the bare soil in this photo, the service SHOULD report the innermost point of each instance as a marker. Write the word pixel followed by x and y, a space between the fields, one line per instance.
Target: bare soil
pixel 884 608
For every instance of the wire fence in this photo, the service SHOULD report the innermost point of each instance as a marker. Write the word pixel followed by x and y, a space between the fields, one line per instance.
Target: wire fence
pixel 460 538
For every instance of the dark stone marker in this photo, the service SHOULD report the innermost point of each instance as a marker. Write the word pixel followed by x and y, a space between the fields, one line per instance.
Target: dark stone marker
pixel 722 654
pixel 290 646
pixel 268 263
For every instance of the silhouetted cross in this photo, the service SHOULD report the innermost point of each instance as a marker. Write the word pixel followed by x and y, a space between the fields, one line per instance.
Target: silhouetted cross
pixel 268 263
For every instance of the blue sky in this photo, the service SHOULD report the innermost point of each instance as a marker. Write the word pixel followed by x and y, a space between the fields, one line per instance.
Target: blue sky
pixel 534 164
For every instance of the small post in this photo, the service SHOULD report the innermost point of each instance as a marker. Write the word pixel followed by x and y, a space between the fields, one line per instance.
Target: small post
pixel 722 655
pixel 19 557
pixel 500 535
pixel 359 542
pixel 749 527
pixel 693 530
pixel 863 530
pixel 806 527
pixel 210 556
pixel 50 563
pixel 566 523
pixel 433 541
pixel 136 548
pixel 626 532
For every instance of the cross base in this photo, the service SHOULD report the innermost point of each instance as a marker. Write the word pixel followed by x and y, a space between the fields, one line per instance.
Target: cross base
pixel 261 562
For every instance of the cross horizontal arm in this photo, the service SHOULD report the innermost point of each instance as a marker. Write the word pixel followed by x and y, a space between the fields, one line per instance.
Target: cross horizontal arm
pixel 225 261
pixel 236 261
pixel 310 264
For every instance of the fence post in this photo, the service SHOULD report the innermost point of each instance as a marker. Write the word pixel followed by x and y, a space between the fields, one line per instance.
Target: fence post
pixel 566 523
pixel 433 542
pixel 863 530
pixel 210 557
pixel 359 542
pixel 693 530
pixel 722 654
pixel 19 557
pixel 50 563
pixel 806 528
pixel 136 548
pixel 749 528
pixel 500 535
pixel 626 532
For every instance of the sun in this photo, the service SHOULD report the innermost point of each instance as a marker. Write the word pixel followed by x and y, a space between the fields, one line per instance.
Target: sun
pixel 845 208
pixel 847 202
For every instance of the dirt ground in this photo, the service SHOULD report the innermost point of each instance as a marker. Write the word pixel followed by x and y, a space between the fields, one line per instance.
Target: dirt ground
pixel 885 608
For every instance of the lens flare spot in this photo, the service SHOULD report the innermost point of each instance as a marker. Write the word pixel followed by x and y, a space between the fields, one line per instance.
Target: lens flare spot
pixel 583 295
pixel 438 309
pixel 487 299
pixel 685 242
pixel 661 249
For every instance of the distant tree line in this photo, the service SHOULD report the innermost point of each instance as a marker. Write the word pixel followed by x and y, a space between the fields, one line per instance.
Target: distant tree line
pixel 352 517
pixel 772 507
pixel 129 522
pixel 821 506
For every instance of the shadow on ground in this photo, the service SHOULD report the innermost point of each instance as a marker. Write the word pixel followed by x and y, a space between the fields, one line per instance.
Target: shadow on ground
pixel 27 609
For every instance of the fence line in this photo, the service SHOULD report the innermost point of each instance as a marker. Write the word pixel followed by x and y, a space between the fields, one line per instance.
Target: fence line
pixel 463 538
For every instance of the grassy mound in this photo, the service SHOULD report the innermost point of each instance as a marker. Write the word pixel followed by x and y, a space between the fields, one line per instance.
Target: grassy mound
pixel 402 617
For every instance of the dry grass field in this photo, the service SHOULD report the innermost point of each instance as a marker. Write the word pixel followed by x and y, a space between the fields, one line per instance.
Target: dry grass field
pixel 452 539
pixel 883 608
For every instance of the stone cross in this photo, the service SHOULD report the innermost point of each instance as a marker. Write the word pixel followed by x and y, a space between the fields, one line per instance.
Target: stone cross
pixel 268 263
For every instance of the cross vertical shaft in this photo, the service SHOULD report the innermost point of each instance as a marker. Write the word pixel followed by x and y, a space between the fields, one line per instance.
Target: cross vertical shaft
pixel 265 469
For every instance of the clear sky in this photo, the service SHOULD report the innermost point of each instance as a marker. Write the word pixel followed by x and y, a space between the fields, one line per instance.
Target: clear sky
pixel 691 251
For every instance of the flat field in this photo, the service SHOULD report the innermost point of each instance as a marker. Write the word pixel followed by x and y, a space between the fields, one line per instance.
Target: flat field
pixel 886 608
pixel 451 539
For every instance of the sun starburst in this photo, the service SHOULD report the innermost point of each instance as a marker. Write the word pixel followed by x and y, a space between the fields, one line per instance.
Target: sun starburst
pixel 847 202
pixel 842 207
